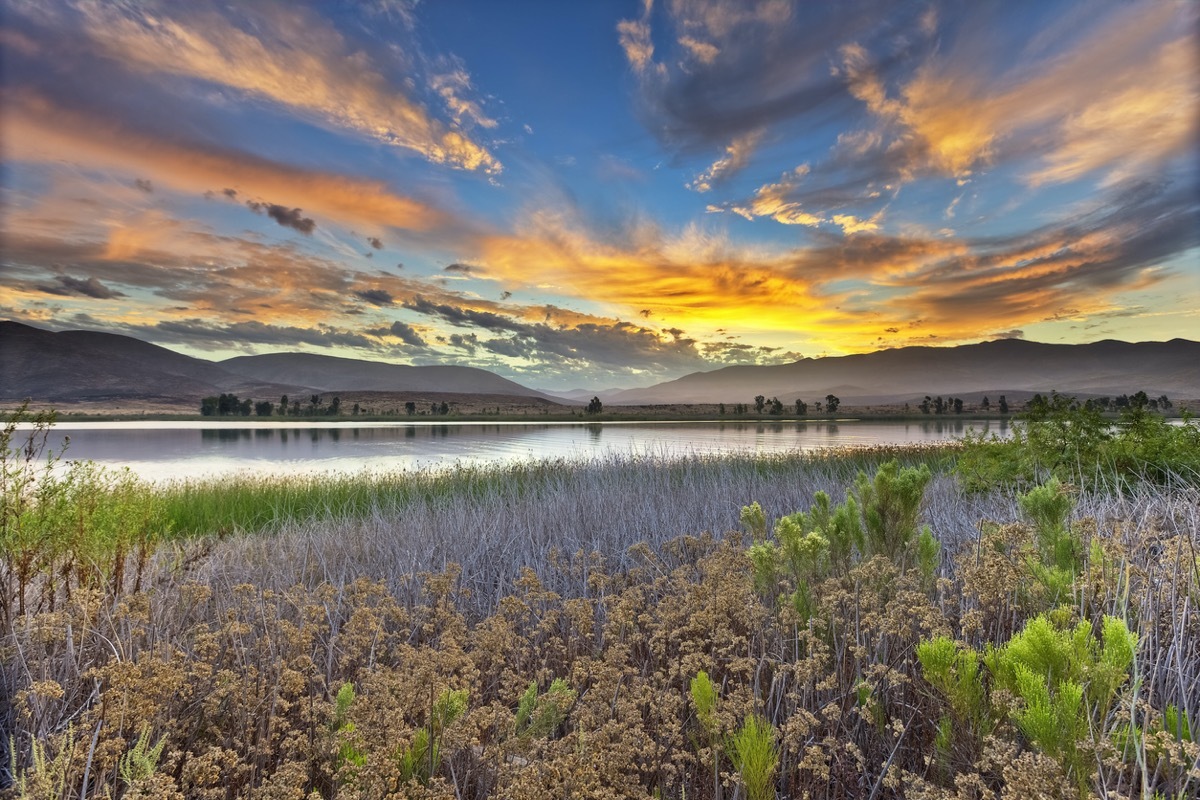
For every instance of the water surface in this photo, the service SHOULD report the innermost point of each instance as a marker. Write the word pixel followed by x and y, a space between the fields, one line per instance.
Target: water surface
pixel 170 450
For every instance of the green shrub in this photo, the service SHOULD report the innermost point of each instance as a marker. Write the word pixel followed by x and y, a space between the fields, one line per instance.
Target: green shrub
pixel 540 715
pixel 891 503
pixel 755 755
pixel 1066 680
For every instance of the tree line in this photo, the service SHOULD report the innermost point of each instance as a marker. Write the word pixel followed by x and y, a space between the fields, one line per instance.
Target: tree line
pixel 230 405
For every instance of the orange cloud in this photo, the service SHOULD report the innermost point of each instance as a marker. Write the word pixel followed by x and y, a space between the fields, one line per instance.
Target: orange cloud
pixel 34 129
pixel 1123 99
pixel 305 66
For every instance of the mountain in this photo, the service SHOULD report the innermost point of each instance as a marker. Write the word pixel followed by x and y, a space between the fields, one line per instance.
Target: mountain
pixel 329 373
pixel 992 368
pixel 90 365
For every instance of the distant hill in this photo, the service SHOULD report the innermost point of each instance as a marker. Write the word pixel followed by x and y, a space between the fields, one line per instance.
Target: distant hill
pixel 88 365
pixel 329 373
pixel 1011 366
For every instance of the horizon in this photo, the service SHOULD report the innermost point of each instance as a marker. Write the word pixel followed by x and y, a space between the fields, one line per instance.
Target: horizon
pixel 604 194
pixel 611 389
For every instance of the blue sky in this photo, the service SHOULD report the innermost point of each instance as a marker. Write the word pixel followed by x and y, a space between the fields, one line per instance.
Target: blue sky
pixel 600 194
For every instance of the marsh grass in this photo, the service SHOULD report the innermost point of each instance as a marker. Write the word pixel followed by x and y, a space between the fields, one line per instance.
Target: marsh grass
pixel 539 631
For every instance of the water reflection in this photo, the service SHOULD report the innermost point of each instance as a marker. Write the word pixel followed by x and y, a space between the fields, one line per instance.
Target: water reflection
pixel 172 450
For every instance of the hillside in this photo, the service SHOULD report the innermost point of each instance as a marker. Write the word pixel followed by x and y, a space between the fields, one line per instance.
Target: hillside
pixel 87 366
pixel 330 373
pixel 993 368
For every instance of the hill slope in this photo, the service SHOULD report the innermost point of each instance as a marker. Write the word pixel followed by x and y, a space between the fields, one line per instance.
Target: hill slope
pixel 1107 367
pixel 71 366
pixel 329 373
pixel 82 365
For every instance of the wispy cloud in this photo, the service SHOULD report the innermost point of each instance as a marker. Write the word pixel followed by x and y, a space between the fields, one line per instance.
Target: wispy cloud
pixel 283 54
pixel 35 128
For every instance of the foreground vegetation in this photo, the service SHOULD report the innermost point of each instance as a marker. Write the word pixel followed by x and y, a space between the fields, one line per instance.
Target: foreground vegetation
pixel 861 625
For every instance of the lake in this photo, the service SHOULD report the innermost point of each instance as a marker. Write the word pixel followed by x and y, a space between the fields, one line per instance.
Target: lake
pixel 162 451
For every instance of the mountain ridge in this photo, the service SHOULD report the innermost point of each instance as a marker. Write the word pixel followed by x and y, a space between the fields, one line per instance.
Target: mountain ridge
pixel 1105 367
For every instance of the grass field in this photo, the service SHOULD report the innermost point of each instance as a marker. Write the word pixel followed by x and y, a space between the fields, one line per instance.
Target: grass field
pixel 857 624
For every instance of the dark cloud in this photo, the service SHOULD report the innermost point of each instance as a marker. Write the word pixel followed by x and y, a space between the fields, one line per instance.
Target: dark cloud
pixel 375 243
pixel 209 335
pixel 80 287
pixel 406 334
pixel 1016 333
pixel 377 297
pixel 505 295
pixel 465 342
pixel 230 193
pixel 145 185
pixel 461 269
pixel 288 218
pixel 768 70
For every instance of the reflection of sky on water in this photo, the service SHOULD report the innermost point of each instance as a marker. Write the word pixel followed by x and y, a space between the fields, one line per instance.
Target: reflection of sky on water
pixel 164 451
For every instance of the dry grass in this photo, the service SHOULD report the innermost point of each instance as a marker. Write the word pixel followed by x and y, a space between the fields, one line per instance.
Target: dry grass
pixel 237 651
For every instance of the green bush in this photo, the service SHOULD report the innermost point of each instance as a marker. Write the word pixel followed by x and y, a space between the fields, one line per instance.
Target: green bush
pixel 755 755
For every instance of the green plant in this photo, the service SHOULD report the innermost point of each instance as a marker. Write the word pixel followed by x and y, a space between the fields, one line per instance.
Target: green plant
pixel 890 505
pixel 755 755
pixel 1066 680
pixel 540 715
pixel 1059 557
pixel 423 755
pixel 704 698
pixel 140 761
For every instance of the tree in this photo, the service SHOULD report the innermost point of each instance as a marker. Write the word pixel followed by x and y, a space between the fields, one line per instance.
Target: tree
pixel 594 406
pixel 283 403
pixel 245 407
pixel 832 403
pixel 939 405
pixel 208 406
pixel 958 405
pixel 801 408
pixel 985 404
pixel 410 408
pixel 335 407
pixel 776 406
pixel 818 406
pixel 227 405
pixel 355 410
pixel 759 403
pixel 1164 402
pixel 263 408
pixel 1003 404
pixel 925 404
pixel 721 409
pixel 443 409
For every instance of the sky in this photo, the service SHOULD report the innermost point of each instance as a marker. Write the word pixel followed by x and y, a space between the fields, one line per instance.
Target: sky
pixel 600 194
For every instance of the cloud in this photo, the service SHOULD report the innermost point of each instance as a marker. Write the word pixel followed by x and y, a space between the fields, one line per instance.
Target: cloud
pixel 375 242
pixel 634 37
pixel 466 342
pixel 286 55
pixel 737 156
pixel 35 129
pixel 145 185
pixel 376 297
pixel 407 334
pixel 78 286
pixel 288 218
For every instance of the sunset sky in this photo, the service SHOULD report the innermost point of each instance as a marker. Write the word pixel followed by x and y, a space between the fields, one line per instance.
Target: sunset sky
pixel 600 194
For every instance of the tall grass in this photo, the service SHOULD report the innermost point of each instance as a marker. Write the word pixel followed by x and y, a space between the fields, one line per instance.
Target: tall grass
pixel 291 637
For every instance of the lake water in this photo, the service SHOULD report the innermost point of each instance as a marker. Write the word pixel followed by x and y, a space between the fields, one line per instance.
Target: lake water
pixel 162 451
